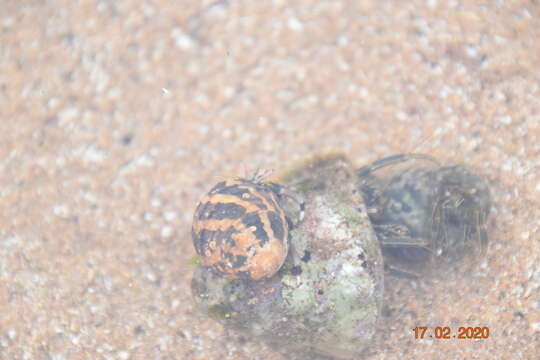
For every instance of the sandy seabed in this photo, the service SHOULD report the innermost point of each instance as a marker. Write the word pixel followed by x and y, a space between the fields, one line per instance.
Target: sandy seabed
pixel 117 116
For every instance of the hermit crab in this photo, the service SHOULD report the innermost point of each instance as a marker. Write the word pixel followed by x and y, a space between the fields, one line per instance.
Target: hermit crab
pixel 307 275
pixel 425 211
pixel 293 262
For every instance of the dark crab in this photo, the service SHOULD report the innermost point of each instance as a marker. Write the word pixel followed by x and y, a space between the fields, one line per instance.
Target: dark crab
pixel 424 212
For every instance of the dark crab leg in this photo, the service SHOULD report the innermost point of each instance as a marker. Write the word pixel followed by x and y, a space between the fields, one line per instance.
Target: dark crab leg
pixel 392 160
pixel 398 236
pixel 392 270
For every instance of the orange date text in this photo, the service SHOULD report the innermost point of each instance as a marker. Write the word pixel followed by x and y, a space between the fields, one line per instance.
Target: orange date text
pixel 444 332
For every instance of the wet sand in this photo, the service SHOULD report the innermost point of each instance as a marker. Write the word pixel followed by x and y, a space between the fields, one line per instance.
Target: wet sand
pixel 118 116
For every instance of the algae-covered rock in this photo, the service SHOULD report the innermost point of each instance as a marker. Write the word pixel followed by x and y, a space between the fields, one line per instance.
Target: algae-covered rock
pixel 326 298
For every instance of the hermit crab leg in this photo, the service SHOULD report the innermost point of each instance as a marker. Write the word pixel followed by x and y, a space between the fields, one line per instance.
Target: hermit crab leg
pixel 398 236
pixel 392 160
pixel 393 270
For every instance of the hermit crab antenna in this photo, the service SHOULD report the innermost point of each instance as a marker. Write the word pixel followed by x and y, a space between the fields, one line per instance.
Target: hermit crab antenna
pixel 261 174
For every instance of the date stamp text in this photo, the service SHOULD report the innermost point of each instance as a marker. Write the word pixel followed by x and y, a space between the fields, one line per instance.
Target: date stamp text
pixel 445 332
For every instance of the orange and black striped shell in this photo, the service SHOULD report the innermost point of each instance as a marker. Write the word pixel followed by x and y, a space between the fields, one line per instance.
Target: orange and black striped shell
pixel 240 231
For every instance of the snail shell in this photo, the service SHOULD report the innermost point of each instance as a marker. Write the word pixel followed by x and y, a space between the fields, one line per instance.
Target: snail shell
pixel 240 230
